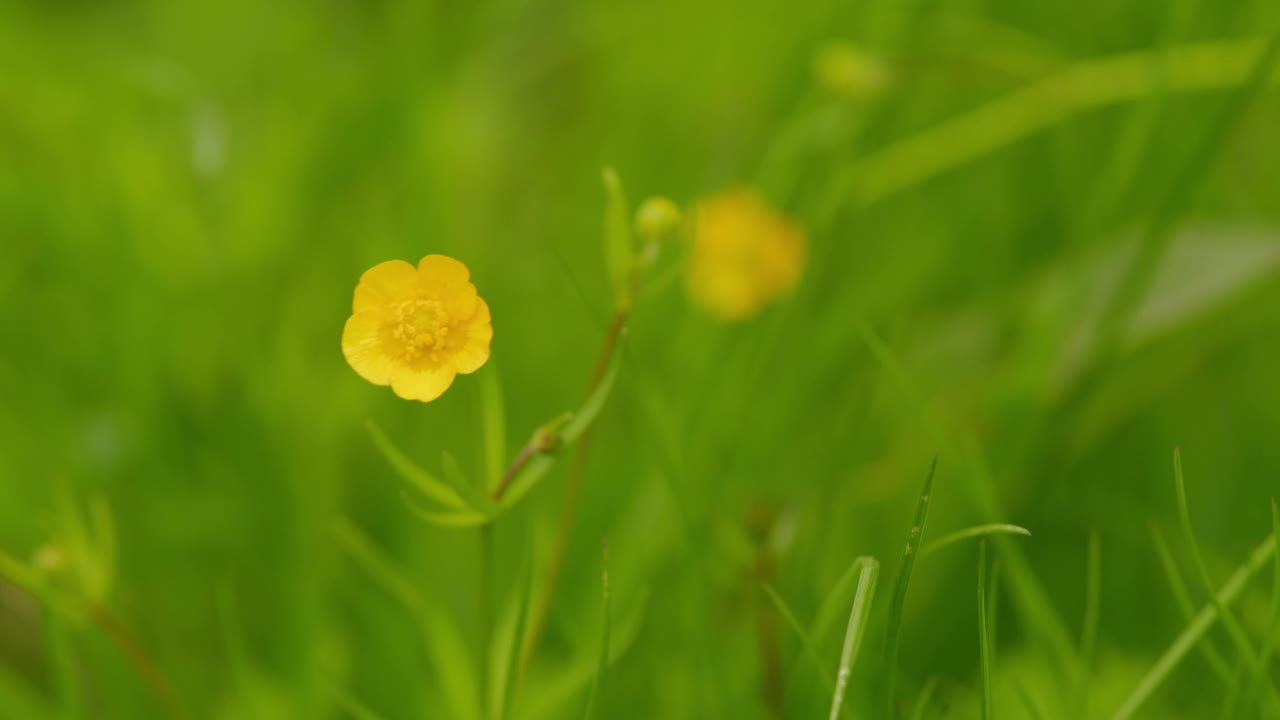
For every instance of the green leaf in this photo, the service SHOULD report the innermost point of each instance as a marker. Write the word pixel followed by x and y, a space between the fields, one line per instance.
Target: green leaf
pixel 457 479
pixel 423 481
pixel 463 518
pixel 619 250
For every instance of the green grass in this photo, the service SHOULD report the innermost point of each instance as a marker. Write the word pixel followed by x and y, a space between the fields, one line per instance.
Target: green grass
pixel 1046 250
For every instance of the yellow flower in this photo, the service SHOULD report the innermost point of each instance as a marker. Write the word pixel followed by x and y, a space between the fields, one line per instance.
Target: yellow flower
pixel 745 254
pixel 415 329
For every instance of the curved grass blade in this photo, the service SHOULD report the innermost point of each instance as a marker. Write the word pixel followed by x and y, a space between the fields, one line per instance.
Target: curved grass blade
pixel 602 665
pixel 1268 645
pixel 1234 629
pixel 1183 598
pixel 856 629
pixel 1195 630
pixel 894 625
pixel 806 643
pixel 424 482
pixel 977 531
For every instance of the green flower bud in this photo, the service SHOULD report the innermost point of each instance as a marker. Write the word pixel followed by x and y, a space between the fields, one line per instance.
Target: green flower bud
pixel 657 219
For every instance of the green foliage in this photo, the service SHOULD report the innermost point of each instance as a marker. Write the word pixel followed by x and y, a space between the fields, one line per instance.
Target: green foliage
pixel 1044 245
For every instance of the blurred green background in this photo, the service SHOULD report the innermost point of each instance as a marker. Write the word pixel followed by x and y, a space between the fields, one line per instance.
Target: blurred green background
pixel 190 191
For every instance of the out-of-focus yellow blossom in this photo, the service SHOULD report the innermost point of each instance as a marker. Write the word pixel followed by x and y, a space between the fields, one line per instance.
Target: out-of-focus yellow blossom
pixel 415 329
pixel 846 71
pixel 745 255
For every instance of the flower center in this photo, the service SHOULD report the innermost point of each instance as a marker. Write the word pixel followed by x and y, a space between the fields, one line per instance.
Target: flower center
pixel 422 328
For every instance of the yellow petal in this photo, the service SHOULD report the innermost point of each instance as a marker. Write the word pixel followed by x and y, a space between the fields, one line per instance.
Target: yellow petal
pixel 448 280
pixel 425 384
pixel 362 346
pixel 443 270
pixel 473 352
pixel 385 283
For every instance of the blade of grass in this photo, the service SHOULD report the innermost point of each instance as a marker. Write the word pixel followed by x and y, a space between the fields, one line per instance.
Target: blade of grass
pixel 1036 713
pixel 973 532
pixel 1027 593
pixel 806 643
pixel 355 708
pixel 984 636
pixel 1194 631
pixel 1178 197
pixel 1268 641
pixel 602 666
pixel 450 656
pixel 1085 86
pixel 1092 596
pixel 857 628
pixel 507 655
pixel 66 670
pixel 1183 598
pixel 993 602
pixel 1089 625
pixel 926 694
pixel 915 536
pixel 829 611
pixel 1234 629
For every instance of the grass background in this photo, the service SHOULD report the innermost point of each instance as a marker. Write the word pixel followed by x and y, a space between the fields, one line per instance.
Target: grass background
pixel 189 192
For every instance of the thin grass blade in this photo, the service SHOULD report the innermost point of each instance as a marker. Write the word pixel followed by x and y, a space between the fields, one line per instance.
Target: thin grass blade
pixel 806 643
pixel 978 531
pixel 1194 631
pixel 915 536
pixel 602 665
pixel 856 629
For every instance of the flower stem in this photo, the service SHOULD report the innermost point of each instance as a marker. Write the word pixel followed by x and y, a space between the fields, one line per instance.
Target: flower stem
pixel 573 493
pixel 522 459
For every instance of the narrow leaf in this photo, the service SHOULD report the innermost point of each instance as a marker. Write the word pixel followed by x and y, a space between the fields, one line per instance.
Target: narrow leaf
pixel 619 250
pixel 856 629
pixel 915 536
pixel 423 481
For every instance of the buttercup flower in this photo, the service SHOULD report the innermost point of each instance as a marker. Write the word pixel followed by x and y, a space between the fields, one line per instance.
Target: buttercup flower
pixel 415 329
pixel 745 255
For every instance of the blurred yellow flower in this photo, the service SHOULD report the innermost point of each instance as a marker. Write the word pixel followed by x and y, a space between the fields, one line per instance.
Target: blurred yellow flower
pixel 415 329
pixel 745 255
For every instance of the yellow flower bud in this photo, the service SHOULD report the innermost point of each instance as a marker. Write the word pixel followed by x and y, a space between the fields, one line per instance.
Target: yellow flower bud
pixel 657 219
